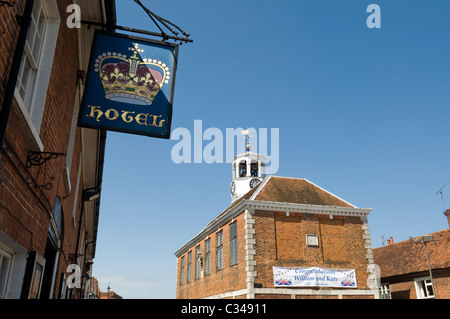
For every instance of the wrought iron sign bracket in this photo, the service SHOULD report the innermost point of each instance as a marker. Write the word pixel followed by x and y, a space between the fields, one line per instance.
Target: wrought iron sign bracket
pixel 19 18
pixel 157 20
pixel 2 3
pixel 40 158
pixel 163 23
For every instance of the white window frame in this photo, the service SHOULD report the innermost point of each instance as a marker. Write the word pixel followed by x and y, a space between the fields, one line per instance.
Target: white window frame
pixel 31 105
pixel 4 255
pixel 189 267
pixel 207 256
pixel 233 244
pixel 182 271
pixel 197 263
pixel 423 293
pixel 219 250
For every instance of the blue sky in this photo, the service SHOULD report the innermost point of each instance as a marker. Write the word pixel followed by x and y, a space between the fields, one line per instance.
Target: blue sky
pixel 362 113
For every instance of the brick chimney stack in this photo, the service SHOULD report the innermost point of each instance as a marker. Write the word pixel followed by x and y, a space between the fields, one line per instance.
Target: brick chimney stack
pixel 447 213
pixel 390 241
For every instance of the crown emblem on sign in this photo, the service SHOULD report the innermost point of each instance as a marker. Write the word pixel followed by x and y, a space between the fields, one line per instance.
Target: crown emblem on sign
pixel 131 80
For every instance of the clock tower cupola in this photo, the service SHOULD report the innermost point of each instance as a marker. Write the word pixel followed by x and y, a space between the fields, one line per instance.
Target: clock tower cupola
pixel 248 171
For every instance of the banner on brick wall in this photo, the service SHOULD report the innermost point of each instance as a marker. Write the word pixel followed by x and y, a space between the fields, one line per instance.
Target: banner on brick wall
pixel 130 85
pixel 314 277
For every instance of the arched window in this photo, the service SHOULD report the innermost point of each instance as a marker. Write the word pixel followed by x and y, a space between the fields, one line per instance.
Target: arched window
pixel 243 169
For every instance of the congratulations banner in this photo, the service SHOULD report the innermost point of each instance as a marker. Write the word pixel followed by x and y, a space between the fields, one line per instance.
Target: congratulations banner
pixel 130 85
pixel 314 277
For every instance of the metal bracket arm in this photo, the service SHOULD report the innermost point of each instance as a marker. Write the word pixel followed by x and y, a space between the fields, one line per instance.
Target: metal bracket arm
pixel 40 158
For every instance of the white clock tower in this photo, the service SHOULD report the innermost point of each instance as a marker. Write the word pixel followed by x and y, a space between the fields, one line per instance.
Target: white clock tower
pixel 248 171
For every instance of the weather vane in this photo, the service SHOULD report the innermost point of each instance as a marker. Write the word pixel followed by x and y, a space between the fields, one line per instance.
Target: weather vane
pixel 247 137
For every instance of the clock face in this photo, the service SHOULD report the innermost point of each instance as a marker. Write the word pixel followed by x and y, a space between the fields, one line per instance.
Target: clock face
pixel 254 182
pixel 233 188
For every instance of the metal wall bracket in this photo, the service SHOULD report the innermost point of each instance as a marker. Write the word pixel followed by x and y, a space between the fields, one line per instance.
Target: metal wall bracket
pixel 2 3
pixel 162 23
pixel 40 158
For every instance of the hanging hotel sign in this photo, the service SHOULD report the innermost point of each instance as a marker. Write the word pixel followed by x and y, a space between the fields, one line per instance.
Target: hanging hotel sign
pixel 314 277
pixel 130 85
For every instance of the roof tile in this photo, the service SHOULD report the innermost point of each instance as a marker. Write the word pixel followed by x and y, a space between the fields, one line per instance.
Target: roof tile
pixel 297 190
pixel 406 257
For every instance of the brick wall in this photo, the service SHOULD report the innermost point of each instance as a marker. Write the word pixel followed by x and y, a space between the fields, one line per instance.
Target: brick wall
pixel 403 287
pixel 8 35
pixel 281 242
pixel 230 278
pixel 25 210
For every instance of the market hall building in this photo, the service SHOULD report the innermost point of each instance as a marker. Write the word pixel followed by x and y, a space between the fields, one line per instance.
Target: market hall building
pixel 281 238
pixel 50 169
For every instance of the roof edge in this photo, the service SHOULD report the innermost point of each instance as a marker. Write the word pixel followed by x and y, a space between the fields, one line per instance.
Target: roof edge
pixel 321 188
pixel 216 223
pixel 260 187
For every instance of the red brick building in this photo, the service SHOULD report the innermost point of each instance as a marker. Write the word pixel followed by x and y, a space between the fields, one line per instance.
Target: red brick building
pixel 280 222
pixel 50 169
pixel 109 294
pixel 405 266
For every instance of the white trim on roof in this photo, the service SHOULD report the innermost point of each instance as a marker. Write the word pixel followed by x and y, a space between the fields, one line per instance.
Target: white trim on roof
pixel 306 180
pixel 260 187
pixel 330 193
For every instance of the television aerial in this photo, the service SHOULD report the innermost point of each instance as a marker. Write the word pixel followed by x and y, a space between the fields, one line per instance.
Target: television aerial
pixel 440 191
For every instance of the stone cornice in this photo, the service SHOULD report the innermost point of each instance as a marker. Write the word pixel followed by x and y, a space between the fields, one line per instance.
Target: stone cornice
pixel 306 208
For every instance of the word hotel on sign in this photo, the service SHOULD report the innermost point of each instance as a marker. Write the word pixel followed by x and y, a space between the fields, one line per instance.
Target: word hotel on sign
pixel 145 119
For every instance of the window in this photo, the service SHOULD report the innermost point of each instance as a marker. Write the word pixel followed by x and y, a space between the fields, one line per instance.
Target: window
pixel 32 55
pixel 254 169
pixel 219 238
pixel 207 257
pixel 243 169
pixel 5 264
pixel 181 271
pixel 233 244
pixel 55 228
pixel 424 288
pixel 198 262
pixel 189 267
pixel 37 62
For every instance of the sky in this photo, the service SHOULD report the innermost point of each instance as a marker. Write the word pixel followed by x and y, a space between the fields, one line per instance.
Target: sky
pixel 362 112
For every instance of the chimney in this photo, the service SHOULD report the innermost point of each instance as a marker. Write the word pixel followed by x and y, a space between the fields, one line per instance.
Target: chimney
pixel 447 213
pixel 390 241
